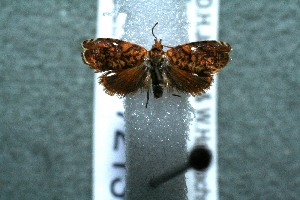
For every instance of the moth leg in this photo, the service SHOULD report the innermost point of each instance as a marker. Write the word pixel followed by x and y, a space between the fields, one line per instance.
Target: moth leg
pixel 147 98
pixel 176 95
pixel 147 85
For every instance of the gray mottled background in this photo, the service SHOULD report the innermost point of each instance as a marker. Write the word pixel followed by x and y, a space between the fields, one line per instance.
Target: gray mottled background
pixel 259 101
pixel 46 100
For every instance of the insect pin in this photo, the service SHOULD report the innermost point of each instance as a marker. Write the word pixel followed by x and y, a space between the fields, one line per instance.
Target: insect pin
pixel 128 67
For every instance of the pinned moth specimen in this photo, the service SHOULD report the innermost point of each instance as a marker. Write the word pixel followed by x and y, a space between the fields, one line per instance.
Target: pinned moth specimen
pixel 127 67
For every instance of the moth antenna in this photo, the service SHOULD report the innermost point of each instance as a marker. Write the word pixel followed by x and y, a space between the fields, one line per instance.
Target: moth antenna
pixel 153 30
pixel 167 46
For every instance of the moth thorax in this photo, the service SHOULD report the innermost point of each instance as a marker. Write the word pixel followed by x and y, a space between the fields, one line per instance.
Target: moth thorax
pixel 156 60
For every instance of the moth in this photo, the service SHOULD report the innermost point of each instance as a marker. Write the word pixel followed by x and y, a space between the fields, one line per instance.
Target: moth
pixel 127 67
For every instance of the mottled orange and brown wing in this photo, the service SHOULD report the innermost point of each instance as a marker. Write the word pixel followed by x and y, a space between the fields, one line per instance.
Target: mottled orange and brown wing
pixel 192 65
pixel 200 56
pixel 104 54
pixel 187 81
pixel 127 81
pixel 122 63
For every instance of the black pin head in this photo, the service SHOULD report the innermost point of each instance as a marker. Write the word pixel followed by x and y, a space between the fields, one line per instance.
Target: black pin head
pixel 200 158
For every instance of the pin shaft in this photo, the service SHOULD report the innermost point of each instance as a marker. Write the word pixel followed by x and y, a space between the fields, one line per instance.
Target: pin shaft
pixel 199 159
pixel 154 182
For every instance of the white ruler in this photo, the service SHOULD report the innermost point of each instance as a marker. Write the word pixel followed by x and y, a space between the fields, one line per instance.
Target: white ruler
pixel 108 147
pixel 203 17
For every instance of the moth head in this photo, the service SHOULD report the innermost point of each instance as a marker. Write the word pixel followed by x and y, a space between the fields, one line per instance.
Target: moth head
pixel 157 45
